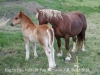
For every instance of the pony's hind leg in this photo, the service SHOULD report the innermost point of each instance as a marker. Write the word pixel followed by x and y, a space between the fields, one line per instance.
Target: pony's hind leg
pixel 74 49
pixel 83 41
pixel 34 48
pixel 60 53
pixel 27 47
pixel 83 46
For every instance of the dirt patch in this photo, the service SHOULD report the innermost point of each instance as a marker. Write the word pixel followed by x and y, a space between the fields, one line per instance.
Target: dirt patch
pixel 31 7
pixel 12 7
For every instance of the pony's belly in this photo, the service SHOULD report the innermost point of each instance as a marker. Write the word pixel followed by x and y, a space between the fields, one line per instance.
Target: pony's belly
pixel 60 35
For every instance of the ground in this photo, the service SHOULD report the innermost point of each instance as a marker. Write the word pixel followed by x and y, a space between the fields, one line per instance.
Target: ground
pixel 12 51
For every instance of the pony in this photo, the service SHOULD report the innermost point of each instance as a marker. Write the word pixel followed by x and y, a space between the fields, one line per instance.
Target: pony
pixel 42 34
pixel 65 26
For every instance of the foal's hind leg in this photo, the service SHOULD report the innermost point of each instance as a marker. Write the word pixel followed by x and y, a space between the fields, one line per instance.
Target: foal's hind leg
pixel 50 58
pixel 34 48
pixel 53 54
pixel 74 49
pixel 59 46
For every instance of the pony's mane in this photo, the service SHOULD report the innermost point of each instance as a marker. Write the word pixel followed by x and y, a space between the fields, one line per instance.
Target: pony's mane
pixel 49 13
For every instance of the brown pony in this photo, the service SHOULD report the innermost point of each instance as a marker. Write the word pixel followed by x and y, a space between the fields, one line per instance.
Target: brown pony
pixel 72 25
pixel 42 34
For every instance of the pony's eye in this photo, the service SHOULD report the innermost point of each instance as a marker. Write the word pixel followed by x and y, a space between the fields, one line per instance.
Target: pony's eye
pixel 16 18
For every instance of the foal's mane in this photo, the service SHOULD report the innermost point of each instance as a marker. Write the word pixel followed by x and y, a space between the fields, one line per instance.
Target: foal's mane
pixel 28 18
pixel 49 13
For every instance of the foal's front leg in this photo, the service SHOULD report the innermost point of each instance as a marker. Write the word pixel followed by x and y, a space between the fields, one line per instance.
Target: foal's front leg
pixel 27 47
pixel 34 48
pixel 59 46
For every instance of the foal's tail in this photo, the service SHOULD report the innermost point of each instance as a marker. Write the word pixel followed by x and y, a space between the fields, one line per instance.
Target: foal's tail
pixel 51 36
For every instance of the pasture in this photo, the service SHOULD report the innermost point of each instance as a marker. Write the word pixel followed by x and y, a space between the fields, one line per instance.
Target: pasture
pixel 12 50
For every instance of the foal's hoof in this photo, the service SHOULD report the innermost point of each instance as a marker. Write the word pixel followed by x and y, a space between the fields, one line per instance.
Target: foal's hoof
pixel 35 57
pixel 26 59
pixel 54 66
pixel 51 69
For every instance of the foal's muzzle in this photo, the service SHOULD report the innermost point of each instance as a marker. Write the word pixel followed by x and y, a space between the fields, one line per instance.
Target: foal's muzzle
pixel 12 24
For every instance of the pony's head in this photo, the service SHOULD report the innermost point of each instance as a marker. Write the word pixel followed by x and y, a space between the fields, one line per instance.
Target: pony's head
pixel 46 15
pixel 41 18
pixel 17 19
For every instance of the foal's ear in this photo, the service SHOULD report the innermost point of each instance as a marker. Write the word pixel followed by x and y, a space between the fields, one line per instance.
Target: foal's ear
pixel 20 14
pixel 37 10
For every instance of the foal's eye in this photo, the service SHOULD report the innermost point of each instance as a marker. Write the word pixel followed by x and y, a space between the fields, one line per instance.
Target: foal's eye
pixel 16 18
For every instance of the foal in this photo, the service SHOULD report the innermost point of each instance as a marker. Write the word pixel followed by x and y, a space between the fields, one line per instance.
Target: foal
pixel 42 34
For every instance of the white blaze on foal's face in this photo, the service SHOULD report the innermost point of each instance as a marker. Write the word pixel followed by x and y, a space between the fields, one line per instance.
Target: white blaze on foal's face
pixel 16 20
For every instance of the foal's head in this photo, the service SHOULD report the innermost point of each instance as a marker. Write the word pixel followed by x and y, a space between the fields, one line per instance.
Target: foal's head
pixel 17 19
pixel 41 18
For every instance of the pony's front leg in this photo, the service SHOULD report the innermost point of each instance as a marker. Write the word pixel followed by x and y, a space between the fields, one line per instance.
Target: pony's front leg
pixel 27 47
pixel 74 49
pixel 68 57
pixel 60 53
pixel 34 48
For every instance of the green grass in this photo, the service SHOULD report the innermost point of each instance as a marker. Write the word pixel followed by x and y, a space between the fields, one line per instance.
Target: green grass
pixel 12 51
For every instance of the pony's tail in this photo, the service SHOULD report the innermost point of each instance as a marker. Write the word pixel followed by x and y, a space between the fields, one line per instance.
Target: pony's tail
pixel 83 18
pixel 51 37
pixel 81 35
pixel 79 40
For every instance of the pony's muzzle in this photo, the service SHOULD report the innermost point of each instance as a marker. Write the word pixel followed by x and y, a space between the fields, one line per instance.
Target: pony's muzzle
pixel 12 24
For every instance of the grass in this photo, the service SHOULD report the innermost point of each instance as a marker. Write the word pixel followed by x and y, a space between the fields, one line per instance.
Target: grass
pixel 12 51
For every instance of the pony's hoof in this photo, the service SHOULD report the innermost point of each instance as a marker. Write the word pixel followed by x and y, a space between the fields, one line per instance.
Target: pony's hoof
pixel 59 54
pixel 67 59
